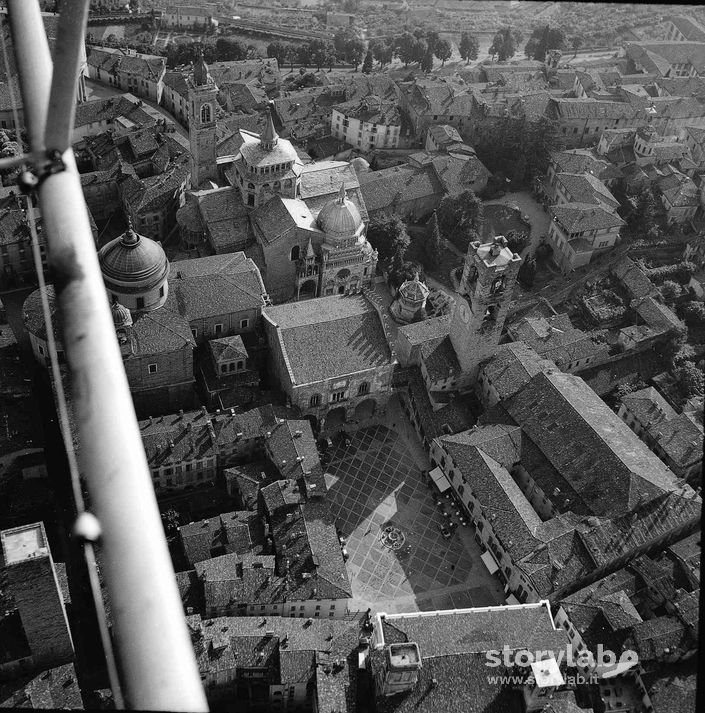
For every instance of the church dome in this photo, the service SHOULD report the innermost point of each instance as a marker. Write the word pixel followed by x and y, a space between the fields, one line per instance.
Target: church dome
pixel 132 258
pixel 340 217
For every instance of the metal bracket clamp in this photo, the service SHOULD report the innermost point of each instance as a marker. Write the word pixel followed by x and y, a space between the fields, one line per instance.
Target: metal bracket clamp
pixel 30 178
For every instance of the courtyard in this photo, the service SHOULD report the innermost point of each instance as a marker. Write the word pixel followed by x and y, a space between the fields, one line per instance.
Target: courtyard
pixel 399 559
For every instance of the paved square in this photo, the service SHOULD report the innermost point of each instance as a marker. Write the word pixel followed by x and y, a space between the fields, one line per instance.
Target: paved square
pixel 398 558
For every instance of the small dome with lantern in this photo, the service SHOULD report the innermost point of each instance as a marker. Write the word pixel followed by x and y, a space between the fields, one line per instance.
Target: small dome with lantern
pixel 340 218
pixel 414 292
pixel 135 271
pixel 121 315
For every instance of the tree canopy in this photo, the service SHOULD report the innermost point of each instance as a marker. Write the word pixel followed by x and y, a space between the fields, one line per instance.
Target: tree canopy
pixel 543 39
pixel 389 237
pixel 505 42
pixel 460 218
pixel 469 47
pixel 442 50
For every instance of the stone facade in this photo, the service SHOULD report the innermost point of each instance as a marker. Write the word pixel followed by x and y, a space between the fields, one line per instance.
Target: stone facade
pixel 33 585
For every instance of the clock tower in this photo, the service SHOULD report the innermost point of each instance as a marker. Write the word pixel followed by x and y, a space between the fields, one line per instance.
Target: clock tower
pixel 202 93
pixel 489 275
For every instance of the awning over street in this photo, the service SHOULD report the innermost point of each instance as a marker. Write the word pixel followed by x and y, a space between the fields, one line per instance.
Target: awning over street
pixel 489 562
pixel 440 480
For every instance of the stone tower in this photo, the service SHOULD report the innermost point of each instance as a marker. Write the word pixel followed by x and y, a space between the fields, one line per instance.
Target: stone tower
pixel 400 671
pixel 202 93
pixel 489 275
pixel 33 584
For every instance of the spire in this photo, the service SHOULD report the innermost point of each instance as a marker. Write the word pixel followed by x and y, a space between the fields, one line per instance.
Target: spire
pixel 309 250
pixel 129 237
pixel 269 137
pixel 201 75
pixel 341 194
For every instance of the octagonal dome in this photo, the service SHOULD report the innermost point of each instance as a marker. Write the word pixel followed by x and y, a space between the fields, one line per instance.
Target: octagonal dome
pixel 340 217
pixel 414 290
pixel 132 258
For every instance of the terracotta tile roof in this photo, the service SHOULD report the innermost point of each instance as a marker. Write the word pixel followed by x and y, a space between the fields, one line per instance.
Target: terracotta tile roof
pixel 556 339
pixel 457 173
pixel 688 27
pixel 446 634
pixel 149 67
pixel 309 554
pixel 633 278
pixel 296 651
pixel 435 421
pixel 650 638
pixel 176 80
pixel 439 358
pixel 381 190
pixel 592 109
pixel 214 285
pixel 583 438
pixel 429 96
pixel 680 439
pixel 513 519
pixel 672 688
pixel 371 111
pixel 329 337
pixel 160 331
pixel 287 442
pixel 513 366
pixel 192 437
pixel 660 56
pixel 578 161
pixel 54 689
pixel 237 532
pixel 659 317
pixel 420 332
pixel 577 217
pixel 444 134
pixel 228 348
pixel 104 109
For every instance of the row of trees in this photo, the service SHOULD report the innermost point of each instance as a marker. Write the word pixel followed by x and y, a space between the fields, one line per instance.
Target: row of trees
pixel 507 41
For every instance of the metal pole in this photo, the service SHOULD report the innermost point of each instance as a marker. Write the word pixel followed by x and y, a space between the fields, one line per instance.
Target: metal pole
pixel 68 54
pixel 158 667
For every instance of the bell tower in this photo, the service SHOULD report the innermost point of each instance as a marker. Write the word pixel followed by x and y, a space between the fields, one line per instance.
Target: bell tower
pixel 489 275
pixel 202 92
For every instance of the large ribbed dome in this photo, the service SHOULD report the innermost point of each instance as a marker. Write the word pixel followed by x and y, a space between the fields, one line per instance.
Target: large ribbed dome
pixel 132 258
pixel 340 217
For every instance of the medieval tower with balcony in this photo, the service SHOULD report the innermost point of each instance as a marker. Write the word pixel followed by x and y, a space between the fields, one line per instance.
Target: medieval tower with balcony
pixel 202 93
pixel 489 276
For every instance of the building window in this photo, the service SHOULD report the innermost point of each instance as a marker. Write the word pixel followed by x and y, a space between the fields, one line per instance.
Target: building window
pixel 338 396
pixel 363 389
pixel 152 368
pixel 244 323
pixel 314 400
pixel 194 333
pixel 161 291
pixel 240 366
pixel 206 113
pixel 295 251
pixel 218 329
pixel 140 303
